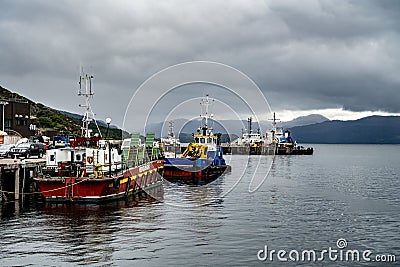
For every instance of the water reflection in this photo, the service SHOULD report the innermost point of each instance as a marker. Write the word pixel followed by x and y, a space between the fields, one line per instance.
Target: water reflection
pixel 182 195
pixel 304 203
pixel 282 166
pixel 78 233
pixel 84 231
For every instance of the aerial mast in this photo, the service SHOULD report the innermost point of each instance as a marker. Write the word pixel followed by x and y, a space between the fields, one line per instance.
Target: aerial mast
pixel 249 121
pixel 85 90
pixel 274 120
pixel 206 102
pixel 171 129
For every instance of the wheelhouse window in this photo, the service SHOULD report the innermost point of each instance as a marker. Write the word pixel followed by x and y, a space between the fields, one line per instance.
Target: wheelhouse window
pixel 21 122
pixel 7 123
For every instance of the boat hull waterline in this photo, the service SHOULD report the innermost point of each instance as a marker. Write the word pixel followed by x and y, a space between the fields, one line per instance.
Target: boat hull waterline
pixel 85 189
pixel 194 175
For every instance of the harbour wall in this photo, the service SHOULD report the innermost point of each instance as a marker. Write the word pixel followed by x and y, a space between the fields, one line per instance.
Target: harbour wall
pixel 16 177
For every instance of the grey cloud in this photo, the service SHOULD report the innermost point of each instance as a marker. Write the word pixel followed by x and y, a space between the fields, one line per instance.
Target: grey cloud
pixel 303 54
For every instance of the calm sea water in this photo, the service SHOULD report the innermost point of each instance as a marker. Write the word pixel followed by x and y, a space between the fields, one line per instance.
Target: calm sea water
pixel 305 202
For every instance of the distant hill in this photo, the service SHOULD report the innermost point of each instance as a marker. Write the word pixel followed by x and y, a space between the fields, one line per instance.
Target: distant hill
pixel 304 120
pixel 188 138
pixel 44 117
pixel 53 120
pixel 80 117
pixel 368 130
pixel 189 127
pixel 233 127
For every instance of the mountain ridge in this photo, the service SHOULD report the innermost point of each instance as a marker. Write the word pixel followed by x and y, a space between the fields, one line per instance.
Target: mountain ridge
pixel 368 130
pixel 231 126
pixel 313 128
pixel 304 120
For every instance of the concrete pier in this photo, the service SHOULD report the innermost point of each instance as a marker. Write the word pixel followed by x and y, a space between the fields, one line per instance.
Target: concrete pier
pixel 15 174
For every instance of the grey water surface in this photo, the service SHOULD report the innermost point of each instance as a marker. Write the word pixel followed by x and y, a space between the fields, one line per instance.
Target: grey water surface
pixel 286 203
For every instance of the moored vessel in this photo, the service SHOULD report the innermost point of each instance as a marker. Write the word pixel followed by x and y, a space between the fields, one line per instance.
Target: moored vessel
pixel 99 173
pixel 202 162
pixel 276 142
pixel 171 144
pixel 282 143
pixel 250 143
pixel 89 169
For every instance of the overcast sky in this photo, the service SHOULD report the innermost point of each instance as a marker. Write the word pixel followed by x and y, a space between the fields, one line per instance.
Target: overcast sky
pixel 306 56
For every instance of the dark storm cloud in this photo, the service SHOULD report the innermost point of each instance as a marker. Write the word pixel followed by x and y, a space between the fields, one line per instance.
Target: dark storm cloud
pixel 303 54
pixel 340 54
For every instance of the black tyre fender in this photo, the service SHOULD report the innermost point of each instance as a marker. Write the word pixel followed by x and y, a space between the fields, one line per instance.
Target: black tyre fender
pixel 128 184
pixel 116 183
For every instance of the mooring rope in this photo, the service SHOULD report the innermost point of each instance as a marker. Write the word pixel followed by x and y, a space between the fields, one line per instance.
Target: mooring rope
pixel 40 192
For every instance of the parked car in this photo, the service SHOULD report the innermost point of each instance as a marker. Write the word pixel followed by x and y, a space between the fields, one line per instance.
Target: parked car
pixel 27 149
pixel 5 149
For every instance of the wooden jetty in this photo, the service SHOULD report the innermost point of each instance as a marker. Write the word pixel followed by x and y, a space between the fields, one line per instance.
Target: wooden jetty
pixel 16 175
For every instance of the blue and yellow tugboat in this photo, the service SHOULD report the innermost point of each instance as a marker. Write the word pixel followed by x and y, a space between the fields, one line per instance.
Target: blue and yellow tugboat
pixel 202 162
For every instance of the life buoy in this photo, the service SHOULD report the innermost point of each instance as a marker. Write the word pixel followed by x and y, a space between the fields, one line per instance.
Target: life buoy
pixel 63 180
pixel 89 159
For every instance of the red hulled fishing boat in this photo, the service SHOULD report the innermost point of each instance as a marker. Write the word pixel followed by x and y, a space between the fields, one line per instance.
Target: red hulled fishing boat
pixel 89 169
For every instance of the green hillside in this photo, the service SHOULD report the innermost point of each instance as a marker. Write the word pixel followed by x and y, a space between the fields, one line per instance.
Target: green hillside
pixel 54 121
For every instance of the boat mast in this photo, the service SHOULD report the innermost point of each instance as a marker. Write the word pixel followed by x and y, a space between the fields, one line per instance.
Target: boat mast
pixel 249 120
pixel 274 120
pixel 85 81
pixel 171 129
pixel 206 102
pixel 172 136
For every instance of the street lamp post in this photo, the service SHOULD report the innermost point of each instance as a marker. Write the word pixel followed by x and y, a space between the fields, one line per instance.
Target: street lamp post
pixel 108 121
